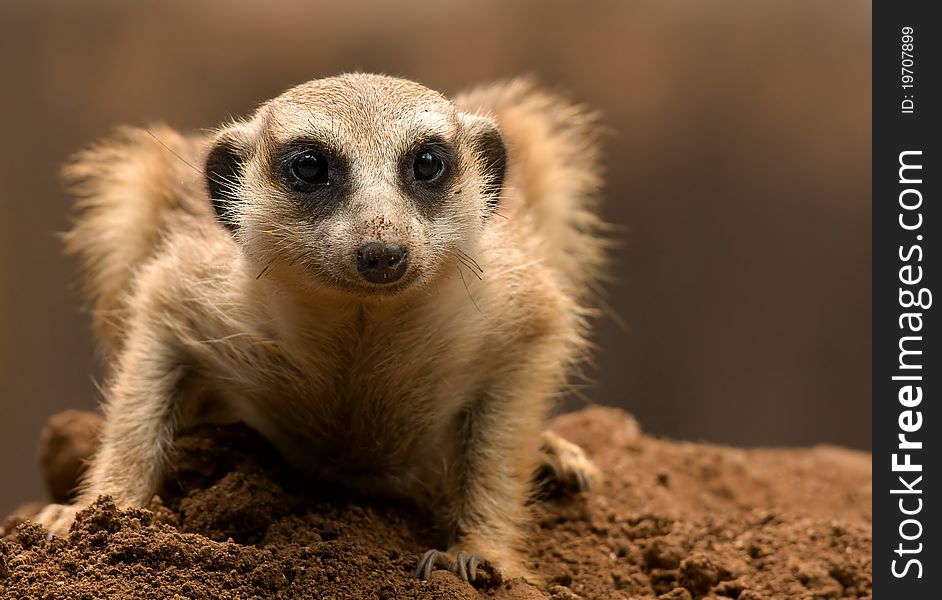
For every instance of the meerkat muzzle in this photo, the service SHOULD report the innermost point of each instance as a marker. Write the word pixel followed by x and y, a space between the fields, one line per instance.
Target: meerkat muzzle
pixel 382 263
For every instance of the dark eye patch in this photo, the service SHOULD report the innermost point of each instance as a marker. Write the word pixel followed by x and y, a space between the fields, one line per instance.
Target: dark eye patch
pixel 427 169
pixel 316 173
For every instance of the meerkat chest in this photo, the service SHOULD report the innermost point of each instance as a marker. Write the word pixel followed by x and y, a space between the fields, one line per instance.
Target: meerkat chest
pixel 367 405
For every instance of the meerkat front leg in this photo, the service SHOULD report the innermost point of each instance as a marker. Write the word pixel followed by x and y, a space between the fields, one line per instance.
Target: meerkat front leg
pixel 141 415
pixel 488 483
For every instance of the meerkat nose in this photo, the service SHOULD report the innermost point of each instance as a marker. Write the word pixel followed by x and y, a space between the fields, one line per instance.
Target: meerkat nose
pixel 382 263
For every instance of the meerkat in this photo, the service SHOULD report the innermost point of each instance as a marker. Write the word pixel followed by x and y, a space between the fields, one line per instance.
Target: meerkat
pixel 388 285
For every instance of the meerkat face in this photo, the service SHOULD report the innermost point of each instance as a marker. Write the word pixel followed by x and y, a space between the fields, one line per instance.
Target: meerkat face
pixel 360 183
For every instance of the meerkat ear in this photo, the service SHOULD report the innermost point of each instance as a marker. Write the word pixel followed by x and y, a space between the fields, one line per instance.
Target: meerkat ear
pixel 488 143
pixel 224 165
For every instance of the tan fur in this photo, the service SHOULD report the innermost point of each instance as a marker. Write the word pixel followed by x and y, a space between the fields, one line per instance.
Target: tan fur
pixel 435 388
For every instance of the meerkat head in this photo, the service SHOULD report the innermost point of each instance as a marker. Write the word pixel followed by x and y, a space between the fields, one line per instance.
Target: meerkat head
pixel 366 184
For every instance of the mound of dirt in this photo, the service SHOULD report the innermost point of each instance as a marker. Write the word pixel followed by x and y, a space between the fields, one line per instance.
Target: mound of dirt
pixel 671 520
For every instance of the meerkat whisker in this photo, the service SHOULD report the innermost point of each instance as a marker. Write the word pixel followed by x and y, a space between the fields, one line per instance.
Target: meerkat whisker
pixel 468 256
pixel 470 297
pixel 266 269
pixel 171 151
pixel 468 262
pixel 470 267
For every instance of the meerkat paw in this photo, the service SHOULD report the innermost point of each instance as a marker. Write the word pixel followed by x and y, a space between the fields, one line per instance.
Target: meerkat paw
pixel 58 518
pixel 463 565
pixel 565 466
pixel 491 565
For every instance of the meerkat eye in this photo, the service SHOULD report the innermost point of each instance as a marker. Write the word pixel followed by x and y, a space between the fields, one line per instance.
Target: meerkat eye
pixel 309 167
pixel 427 166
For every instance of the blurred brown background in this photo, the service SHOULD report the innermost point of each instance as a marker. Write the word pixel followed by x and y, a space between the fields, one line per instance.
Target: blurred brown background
pixel 739 174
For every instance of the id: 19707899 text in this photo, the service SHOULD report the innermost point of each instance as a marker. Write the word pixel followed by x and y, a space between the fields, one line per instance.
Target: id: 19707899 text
pixel 907 72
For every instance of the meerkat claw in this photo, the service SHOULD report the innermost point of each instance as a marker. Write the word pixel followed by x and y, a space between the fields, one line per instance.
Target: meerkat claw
pixel 465 567
pixel 429 560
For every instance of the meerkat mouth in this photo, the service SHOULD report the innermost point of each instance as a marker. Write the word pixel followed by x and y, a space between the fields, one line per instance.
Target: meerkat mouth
pixel 363 288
